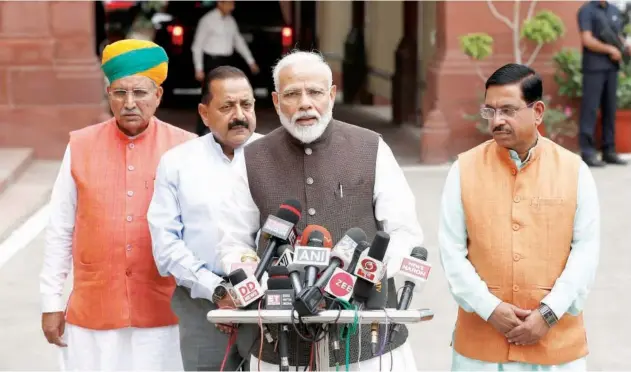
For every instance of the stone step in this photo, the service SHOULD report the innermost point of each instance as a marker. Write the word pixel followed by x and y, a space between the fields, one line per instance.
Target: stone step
pixel 26 194
pixel 13 161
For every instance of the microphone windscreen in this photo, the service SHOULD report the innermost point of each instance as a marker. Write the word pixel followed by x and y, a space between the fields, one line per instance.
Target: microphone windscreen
pixel 419 253
pixel 356 234
pixel 278 271
pixel 237 276
pixel 290 210
pixel 379 245
pixel 308 234
pixel 281 249
pixel 279 283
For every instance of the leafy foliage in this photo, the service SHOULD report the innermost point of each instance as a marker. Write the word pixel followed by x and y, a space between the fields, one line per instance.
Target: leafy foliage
pixel 545 27
pixel 477 45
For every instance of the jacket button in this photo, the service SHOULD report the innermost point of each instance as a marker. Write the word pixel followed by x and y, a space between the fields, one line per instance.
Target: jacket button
pixel 308 151
pixel 514 172
pixel 311 211
pixel 515 226
pixel 516 199
pixel 309 181
pixel 516 257
pixel 515 288
pixel 128 272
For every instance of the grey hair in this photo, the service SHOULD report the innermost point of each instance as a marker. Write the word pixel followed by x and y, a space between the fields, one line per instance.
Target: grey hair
pixel 300 57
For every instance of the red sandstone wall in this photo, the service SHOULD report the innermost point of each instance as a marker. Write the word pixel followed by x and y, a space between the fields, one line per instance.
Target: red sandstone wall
pixel 50 81
pixel 452 79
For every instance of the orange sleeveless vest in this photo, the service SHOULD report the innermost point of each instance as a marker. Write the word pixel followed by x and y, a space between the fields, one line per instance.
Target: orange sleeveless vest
pixel 116 282
pixel 520 226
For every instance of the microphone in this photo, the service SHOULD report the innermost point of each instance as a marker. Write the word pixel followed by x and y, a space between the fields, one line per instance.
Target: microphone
pixel 370 268
pixel 309 239
pixel 311 297
pixel 247 288
pixel 285 255
pixel 342 254
pixel 377 300
pixel 416 271
pixel 280 229
pixel 279 296
pixel 314 256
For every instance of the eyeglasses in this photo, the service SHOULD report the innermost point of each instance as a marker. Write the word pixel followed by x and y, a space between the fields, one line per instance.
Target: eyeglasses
pixel 488 113
pixel 294 96
pixel 137 94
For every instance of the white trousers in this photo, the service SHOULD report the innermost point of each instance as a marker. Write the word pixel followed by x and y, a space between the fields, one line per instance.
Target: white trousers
pixel 402 358
pixel 462 363
pixel 126 349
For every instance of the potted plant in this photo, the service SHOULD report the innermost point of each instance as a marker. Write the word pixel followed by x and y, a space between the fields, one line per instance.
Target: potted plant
pixel 570 81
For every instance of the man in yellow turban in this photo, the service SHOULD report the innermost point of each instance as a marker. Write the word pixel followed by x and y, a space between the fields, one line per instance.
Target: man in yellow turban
pixel 118 316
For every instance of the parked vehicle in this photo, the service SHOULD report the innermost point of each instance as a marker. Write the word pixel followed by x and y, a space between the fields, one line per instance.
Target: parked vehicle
pixel 262 24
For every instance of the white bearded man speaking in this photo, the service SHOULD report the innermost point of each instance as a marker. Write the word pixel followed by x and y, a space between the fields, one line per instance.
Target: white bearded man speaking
pixel 344 176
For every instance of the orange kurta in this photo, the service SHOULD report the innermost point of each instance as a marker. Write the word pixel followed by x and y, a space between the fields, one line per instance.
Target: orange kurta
pixel 116 282
pixel 520 227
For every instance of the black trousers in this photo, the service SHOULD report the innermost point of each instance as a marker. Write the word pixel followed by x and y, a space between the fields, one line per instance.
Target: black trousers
pixel 599 91
pixel 210 63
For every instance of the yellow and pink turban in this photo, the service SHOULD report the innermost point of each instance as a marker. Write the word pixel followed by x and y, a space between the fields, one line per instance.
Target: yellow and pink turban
pixel 135 57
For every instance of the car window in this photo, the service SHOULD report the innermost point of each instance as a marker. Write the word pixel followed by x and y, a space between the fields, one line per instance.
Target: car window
pixel 258 13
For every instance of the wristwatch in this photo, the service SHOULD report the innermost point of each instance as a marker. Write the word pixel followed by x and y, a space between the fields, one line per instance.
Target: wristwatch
pixel 548 315
pixel 220 292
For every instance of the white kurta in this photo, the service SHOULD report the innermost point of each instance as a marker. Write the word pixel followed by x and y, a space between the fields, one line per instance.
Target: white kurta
pixel 120 349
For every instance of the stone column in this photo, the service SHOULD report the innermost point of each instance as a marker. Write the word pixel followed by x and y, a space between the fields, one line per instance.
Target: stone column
pixel 453 84
pixel 50 80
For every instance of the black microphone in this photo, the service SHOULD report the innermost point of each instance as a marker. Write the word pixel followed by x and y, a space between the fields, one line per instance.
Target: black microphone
pixel 416 269
pixel 280 228
pixel 377 300
pixel 369 270
pixel 280 296
pixel 247 288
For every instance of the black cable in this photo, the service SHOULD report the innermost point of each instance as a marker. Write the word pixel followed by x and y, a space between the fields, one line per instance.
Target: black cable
pixel 258 336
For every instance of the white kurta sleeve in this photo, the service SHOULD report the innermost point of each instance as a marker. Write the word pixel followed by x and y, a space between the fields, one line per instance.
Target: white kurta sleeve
pixel 58 241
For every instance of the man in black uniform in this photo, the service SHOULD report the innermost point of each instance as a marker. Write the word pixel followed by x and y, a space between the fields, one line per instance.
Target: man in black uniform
pixel 601 62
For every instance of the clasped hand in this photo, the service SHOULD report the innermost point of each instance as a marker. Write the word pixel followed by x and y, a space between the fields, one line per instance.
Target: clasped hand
pixel 521 327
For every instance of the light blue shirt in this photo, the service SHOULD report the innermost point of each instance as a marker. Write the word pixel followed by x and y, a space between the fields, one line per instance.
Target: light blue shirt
pixel 569 291
pixel 191 181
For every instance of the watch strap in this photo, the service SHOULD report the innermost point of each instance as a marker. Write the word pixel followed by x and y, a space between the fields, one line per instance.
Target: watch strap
pixel 220 292
pixel 548 315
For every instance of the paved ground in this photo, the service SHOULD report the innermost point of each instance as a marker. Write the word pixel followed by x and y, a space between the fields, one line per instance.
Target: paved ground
pixel 606 316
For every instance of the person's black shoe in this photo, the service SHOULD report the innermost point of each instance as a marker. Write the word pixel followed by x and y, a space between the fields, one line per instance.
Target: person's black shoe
pixel 613 158
pixel 593 161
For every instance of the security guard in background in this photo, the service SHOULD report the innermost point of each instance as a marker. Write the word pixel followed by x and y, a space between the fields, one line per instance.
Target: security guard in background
pixel 601 62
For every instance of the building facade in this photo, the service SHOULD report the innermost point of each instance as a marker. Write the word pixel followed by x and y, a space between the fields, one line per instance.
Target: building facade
pixel 405 54
pixel 441 82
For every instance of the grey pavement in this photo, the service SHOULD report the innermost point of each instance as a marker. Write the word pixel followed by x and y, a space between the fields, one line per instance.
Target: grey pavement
pixel 24 347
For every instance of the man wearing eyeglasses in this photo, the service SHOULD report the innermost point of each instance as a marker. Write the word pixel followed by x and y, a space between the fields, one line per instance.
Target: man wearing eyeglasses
pixel 118 316
pixel 519 238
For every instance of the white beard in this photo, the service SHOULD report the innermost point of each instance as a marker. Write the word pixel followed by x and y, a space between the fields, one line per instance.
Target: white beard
pixel 309 133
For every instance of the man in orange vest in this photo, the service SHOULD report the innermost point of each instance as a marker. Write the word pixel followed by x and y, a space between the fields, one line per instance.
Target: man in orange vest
pixel 118 316
pixel 519 238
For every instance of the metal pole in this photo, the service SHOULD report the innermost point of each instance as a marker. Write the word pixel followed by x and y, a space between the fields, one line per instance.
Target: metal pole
pixel 326 316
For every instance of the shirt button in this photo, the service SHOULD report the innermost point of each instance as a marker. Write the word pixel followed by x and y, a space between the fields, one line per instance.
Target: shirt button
pixel 131 145
pixel 515 288
pixel 516 199
pixel 311 211
pixel 130 193
pixel 128 247
pixel 128 272
pixel 308 151
pixel 516 257
pixel 515 226
pixel 309 181
pixel 129 218
pixel 131 167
